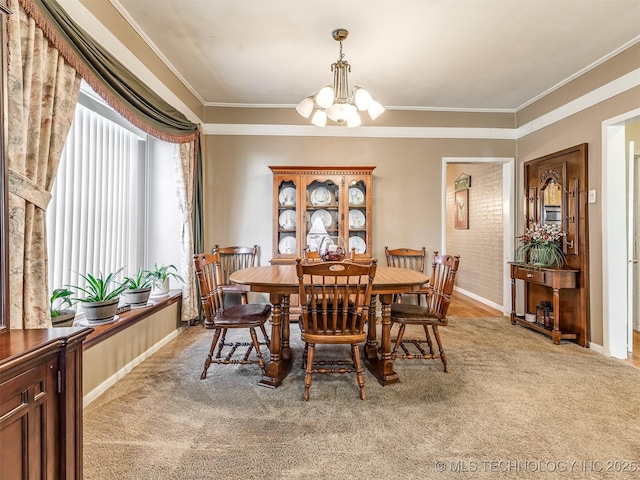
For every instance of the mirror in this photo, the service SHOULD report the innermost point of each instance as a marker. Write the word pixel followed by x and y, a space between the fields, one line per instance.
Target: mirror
pixel 551 203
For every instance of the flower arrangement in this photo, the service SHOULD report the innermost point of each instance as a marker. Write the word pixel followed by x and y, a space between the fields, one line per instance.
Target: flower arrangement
pixel 540 246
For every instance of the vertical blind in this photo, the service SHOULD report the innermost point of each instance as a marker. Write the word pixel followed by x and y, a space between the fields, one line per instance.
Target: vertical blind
pixel 93 217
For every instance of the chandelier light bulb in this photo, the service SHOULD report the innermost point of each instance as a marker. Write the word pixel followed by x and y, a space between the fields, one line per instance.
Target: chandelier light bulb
pixel 319 118
pixel 363 99
pixel 324 98
pixel 305 107
pixel 375 110
pixel 354 120
pixel 336 101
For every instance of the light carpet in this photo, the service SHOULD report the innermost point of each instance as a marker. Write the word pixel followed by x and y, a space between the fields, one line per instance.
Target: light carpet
pixel 513 406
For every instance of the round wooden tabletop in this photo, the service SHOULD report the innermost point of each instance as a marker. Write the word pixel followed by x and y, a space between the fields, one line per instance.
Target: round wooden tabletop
pixel 282 279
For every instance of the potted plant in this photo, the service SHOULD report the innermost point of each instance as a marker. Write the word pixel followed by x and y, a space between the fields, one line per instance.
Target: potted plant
pixel 101 296
pixel 139 287
pixel 540 246
pixel 61 317
pixel 162 274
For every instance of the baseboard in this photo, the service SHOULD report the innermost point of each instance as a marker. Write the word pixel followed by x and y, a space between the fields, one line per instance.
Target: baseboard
pixel 480 299
pixel 596 348
pixel 113 379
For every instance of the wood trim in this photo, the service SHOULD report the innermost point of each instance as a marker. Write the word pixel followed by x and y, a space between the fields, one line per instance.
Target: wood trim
pixel 321 170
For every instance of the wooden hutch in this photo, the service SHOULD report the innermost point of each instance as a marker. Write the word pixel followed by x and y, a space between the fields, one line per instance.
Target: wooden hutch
pixel 555 189
pixel 338 198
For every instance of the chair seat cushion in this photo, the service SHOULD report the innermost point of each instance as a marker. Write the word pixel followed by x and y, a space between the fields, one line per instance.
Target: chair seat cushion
pixel 407 313
pixel 252 314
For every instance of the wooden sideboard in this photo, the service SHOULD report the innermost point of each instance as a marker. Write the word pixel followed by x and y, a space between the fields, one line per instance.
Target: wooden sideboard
pixel 550 282
pixel 41 403
pixel 555 193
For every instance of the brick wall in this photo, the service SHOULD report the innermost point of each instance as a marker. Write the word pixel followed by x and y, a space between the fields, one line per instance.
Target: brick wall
pixel 480 247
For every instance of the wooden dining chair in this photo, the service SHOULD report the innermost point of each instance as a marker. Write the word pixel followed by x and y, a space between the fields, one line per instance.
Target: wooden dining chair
pixel 408 258
pixel 433 314
pixel 310 256
pixel 248 316
pixel 232 259
pixel 334 300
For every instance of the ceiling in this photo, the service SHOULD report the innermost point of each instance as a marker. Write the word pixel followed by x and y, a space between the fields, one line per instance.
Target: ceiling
pixel 449 54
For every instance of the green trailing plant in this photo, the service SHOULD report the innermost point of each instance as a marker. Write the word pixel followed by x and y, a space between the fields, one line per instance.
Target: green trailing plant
pixel 100 288
pixel 163 272
pixel 60 298
pixel 141 279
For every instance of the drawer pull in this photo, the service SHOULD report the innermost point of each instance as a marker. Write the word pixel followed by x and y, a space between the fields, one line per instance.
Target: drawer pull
pixel 529 275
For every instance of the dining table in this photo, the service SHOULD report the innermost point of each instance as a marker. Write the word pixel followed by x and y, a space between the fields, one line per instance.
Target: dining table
pixel 280 282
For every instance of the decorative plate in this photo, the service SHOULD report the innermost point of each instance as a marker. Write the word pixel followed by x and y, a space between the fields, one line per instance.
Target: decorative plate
pixel 358 243
pixel 356 196
pixel 356 219
pixel 324 215
pixel 320 196
pixel 287 196
pixel 287 245
pixel 287 220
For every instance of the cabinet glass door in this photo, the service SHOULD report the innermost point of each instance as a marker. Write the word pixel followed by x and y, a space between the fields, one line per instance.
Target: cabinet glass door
pixel 322 216
pixel 287 218
pixel 358 217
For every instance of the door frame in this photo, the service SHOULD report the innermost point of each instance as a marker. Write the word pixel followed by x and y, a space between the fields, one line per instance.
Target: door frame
pixel 615 296
pixel 508 219
pixel 631 216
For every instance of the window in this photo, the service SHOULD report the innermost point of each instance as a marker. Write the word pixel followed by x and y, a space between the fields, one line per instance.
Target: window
pixel 105 198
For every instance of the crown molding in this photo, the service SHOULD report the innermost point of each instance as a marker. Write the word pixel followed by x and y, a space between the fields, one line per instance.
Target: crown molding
pixel 600 94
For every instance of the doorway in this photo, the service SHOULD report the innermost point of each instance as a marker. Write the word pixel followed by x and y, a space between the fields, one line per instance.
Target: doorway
pixel 508 220
pixel 620 297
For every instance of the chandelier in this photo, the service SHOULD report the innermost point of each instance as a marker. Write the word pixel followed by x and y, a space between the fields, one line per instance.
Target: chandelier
pixel 335 101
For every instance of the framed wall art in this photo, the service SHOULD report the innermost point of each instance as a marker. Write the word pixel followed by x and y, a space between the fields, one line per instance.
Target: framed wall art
pixel 462 209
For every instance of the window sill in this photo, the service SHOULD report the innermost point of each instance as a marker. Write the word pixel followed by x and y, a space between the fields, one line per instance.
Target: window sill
pixel 129 318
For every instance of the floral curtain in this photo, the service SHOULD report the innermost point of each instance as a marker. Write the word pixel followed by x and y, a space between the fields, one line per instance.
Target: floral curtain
pixel 114 82
pixel 48 53
pixel 42 95
pixel 185 173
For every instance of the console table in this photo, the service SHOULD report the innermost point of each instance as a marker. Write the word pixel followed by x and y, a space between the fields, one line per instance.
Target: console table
pixel 538 284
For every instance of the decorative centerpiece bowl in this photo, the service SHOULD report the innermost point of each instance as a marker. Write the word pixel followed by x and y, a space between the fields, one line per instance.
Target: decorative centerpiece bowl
pixel 332 249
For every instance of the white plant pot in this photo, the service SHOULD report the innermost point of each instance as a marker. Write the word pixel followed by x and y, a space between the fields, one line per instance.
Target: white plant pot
pixel 162 290
pixel 137 296
pixel 65 319
pixel 100 312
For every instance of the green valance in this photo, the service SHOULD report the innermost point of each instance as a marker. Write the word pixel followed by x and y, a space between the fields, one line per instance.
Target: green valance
pixel 125 92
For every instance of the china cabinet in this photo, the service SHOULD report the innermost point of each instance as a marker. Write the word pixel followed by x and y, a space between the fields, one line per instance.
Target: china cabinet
pixel 311 203
pixel 555 188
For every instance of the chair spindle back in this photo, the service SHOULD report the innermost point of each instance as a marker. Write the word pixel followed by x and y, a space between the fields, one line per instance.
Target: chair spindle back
pixel 209 273
pixel 335 296
pixel 443 276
